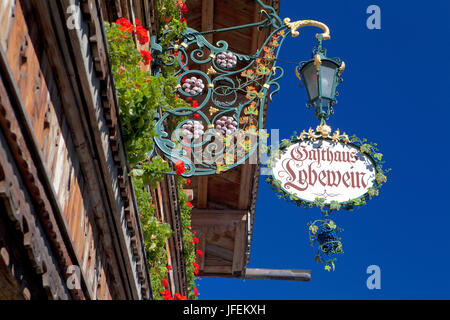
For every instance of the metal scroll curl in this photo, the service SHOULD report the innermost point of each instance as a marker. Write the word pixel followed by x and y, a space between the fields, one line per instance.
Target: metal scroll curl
pixel 227 99
pixel 224 115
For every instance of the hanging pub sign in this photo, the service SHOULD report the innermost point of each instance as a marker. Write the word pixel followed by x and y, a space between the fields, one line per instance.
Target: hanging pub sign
pixel 332 171
pixel 329 171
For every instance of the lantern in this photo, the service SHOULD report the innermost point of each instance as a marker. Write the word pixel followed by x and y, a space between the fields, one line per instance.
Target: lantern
pixel 321 76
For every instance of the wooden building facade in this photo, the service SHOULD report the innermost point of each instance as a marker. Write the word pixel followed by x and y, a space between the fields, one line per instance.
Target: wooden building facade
pixel 69 227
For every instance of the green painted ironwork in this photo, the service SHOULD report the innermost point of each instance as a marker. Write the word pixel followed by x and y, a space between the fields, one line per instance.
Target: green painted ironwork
pixel 323 103
pixel 253 76
pixel 324 233
pixel 256 77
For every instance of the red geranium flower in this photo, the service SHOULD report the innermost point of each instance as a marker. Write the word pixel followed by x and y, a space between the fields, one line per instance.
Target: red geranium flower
pixel 189 204
pixel 199 253
pixel 169 267
pixel 195 292
pixel 179 166
pixel 188 181
pixel 164 282
pixel 184 9
pixel 123 22
pixel 136 21
pixel 194 104
pixel 147 56
pixel 183 20
pixel 194 240
pixel 125 25
pixel 166 295
pixel 196 116
pixel 142 35
pixel 178 296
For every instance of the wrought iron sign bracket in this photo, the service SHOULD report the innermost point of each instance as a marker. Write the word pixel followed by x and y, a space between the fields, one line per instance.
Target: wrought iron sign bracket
pixel 218 130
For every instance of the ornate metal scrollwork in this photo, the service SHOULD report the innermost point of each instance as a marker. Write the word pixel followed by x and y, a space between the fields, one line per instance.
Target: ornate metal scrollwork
pixel 222 125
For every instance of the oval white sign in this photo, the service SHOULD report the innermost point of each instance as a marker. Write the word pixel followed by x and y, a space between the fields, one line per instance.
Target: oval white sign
pixel 324 169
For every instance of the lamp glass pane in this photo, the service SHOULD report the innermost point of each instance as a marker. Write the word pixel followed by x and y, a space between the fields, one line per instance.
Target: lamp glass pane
pixel 328 71
pixel 310 77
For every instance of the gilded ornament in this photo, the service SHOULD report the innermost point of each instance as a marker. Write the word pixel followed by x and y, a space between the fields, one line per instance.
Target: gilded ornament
pixel 323 131
pixel 211 71
pixel 341 68
pixel 307 23
pixel 317 62
pixel 298 74
pixel 212 110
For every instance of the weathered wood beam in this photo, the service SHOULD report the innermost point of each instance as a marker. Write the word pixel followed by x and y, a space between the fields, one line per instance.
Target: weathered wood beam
pixel 207 24
pixel 216 270
pixel 276 274
pixel 202 218
pixel 202 192
pixel 213 250
pixel 245 186
pixel 240 243
pixel 208 18
pixel 255 30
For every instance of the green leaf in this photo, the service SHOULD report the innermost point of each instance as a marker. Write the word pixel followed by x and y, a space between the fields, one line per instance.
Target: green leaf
pixel 136 172
pixel 332 225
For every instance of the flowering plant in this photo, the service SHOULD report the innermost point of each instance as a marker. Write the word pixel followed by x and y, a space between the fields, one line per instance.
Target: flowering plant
pixel 155 233
pixel 171 18
pixel 189 238
pixel 139 95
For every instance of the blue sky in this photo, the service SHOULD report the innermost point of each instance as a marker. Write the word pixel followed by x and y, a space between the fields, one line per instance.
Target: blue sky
pixel 394 93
